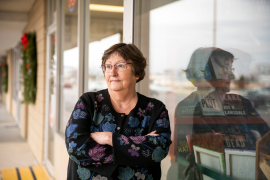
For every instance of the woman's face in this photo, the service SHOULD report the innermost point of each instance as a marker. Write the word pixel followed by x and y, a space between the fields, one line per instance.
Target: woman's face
pixel 225 68
pixel 120 80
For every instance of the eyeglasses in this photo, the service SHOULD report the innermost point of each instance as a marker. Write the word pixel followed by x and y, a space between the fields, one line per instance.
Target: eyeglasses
pixel 226 68
pixel 121 66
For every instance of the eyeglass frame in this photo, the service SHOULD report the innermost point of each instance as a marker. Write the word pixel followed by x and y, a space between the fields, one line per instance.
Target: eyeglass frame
pixel 230 70
pixel 103 66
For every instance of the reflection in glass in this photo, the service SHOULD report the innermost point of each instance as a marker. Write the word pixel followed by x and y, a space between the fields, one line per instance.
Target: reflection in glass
pixel 106 29
pixel 215 101
pixel 52 99
pixel 70 62
pixel 220 120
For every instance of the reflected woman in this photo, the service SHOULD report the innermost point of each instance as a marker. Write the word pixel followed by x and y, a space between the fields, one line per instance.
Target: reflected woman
pixel 227 113
pixel 210 117
pixel 198 73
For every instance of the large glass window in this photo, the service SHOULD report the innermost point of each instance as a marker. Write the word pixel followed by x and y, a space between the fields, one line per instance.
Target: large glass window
pixel 209 63
pixel 16 65
pixel 69 78
pixel 106 29
pixel 52 99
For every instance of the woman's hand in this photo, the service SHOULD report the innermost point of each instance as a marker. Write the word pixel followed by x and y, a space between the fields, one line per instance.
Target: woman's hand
pixel 102 138
pixel 153 133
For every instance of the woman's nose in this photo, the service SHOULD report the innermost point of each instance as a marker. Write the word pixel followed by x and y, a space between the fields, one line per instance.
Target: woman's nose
pixel 113 72
pixel 231 76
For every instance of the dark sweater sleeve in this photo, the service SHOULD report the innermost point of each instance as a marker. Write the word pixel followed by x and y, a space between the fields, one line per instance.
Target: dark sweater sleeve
pixel 144 150
pixel 81 148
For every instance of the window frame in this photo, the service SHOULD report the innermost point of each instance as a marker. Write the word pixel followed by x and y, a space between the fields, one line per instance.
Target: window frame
pixel 83 37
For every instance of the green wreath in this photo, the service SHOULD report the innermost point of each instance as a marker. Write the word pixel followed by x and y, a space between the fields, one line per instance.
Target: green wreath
pixel 5 77
pixel 29 67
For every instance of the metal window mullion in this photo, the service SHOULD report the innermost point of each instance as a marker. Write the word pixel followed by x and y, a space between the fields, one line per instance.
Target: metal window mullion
pixel 142 40
pixel 12 72
pixel 50 30
pixel 128 21
pixel 128 26
pixel 83 27
pixel 86 43
pixel 47 97
pixel 60 19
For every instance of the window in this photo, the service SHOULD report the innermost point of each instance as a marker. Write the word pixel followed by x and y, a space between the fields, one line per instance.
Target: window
pixel 209 63
pixel 51 12
pixel 52 99
pixel 106 29
pixel 70 62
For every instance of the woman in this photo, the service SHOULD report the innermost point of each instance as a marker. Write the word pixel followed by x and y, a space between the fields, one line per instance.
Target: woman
pixel 117 133
pixel 212 108
pixel 217 118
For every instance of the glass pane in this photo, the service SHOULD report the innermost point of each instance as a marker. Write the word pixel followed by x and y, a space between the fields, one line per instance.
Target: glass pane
pixel 14 72
pixel 69 79
pixel 52 98
pixel 52 9
pixel 106 29
pixel 209 63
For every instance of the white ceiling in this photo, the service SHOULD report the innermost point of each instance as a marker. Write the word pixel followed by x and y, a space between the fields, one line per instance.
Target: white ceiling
pixel 13 19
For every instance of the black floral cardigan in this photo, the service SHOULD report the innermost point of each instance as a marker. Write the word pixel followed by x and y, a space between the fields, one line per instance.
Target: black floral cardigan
pixel 133 155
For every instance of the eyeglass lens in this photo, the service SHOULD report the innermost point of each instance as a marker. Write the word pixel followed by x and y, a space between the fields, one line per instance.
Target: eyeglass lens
pixel 117 66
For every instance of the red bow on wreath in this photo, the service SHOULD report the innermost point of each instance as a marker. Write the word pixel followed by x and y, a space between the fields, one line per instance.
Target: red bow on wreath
pixel 24 41
pixel 27 66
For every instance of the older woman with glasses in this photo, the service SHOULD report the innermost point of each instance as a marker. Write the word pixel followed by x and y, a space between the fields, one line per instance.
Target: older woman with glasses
pixel 117 133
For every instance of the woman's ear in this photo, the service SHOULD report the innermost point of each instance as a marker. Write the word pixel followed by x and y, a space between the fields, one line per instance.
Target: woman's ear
pixel 137 77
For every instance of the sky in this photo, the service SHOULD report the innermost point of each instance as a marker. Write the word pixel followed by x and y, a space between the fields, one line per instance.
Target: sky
pixel 96 50
pixel 179 28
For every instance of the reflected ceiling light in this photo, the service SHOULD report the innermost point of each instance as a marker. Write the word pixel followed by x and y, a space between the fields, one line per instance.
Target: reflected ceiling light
pixel 106 8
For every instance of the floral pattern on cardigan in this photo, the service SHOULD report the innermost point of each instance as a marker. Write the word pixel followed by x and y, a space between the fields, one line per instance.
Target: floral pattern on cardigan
pixel 133 154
